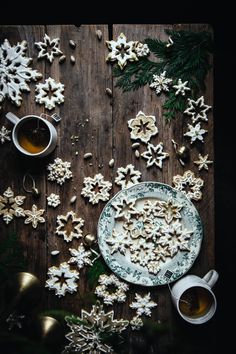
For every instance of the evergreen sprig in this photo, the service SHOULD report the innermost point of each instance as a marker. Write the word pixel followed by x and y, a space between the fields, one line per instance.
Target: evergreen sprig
pixel 187 59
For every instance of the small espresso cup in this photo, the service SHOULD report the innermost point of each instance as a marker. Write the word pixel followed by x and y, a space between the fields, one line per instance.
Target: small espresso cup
pixel 193 297
pixel 32 135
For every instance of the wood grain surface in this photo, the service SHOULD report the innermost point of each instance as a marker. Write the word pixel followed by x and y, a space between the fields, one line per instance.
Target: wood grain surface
pixel 100 122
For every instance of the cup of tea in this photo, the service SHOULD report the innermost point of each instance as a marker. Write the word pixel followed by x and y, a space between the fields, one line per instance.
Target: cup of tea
pixel 193 297
pixel 32 135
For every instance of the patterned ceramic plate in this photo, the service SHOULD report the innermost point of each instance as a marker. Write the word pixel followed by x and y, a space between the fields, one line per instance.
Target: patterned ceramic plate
pixel 136 272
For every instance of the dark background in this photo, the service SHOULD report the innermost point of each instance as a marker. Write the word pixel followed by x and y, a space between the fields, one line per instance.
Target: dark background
pixel 222 20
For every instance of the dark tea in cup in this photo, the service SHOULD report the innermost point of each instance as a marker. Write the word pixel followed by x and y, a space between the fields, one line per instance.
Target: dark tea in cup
pixel 195 302
pixel 33 135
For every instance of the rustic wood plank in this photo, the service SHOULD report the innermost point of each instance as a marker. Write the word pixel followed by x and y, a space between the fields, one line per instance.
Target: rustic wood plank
pixel 126 106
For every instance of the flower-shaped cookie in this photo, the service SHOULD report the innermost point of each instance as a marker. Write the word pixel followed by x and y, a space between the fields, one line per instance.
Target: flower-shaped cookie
pixel 109 297
pixel 121 51
pixel 10 205
pixel 127 176
pixel 197 109
pixel 62 279
pixel 96 188
pixel 155 155
pixel 142 127
pixel 188 180
pixel 69 226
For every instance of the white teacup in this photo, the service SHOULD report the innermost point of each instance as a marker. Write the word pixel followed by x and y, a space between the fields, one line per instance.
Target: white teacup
pixel 193 297
pixel 40 145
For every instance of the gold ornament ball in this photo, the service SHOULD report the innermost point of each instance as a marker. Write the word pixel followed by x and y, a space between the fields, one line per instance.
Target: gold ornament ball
pixel 183 153
pixel 89 240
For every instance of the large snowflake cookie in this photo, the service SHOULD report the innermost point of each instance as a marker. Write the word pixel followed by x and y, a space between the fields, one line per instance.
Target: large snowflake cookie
pixel 86 335
pixel 121 51
pixel 142 127
pixel 34 216
pixel 96 188
pixel 127 176
pixel 197 109
pixel 143 305
pixel 80 256
pixel 175 237
pixel 59 171
pixel 69 226
pixel 195 133
pixel 62 279
pixel 48 48
pixel 4 135
pixel 160 83
pixel 189 185
pixel 155 155
pixel 109 297
pixel 49 93
pixel 15 71
pixel 10 205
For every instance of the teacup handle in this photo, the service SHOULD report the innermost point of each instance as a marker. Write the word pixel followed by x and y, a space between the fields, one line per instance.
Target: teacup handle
pixel 12 118
pixel 211 277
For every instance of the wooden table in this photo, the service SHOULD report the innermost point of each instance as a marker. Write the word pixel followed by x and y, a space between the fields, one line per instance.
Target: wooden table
pixel 100 122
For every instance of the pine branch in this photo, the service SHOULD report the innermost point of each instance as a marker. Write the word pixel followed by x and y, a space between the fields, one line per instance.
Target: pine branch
pixel 95 271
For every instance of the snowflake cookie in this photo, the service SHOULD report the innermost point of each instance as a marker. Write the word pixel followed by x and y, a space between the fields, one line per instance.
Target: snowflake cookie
pixel 118 242
pixel 34 216
pixel 136 323
pixel 141 49
pixel 175 238
pixel 142 252
pixel 86 337
pixel 48 48
pixel 195 133
pixel 142 127
pixel 197 109
pixel 169 210
pixel 124 207
pixel 49 93
pixel 80 256
pixel 15 71
pixel 203 162
pixel 121 51
pixel 143 305
pixel 181 87
pixel 160 83
pixel 127 176
pixel 155 155
pixel 189 180
pixel 59 171
pixel 53 200
pixel 69 226
pixel 4 135
pixel 10 205
pixel 109 297
pixel 96 188
pixel 62 279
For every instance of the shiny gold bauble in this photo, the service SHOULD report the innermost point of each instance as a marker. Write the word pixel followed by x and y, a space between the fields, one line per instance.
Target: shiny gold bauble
pixel 183 153
pixel 89 240
pixel 23 291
